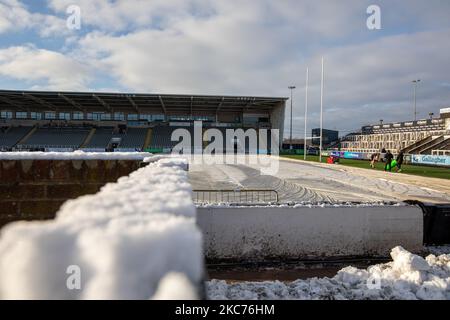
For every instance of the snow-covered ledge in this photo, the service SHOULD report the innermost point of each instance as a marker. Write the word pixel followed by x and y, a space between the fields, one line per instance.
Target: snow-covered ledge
pixel 76 155
pixel 135 239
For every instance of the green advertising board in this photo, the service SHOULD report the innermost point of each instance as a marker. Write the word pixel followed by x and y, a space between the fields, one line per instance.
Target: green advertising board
pixel 291 152
pixel 154 150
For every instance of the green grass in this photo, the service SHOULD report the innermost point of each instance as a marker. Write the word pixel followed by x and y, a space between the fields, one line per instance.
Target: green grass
pixel 424 171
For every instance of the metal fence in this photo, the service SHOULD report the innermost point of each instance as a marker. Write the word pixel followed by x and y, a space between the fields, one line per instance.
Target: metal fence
pixel 245 196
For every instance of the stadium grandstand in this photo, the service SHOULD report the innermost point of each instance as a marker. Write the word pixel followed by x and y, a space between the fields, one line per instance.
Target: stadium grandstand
pixel 427 136
pixel 66 121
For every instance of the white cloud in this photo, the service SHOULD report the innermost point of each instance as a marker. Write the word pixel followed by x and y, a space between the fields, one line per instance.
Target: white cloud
pixel 14 16
pixel 259 48
pixel 54 70
pixel 371 81
pixel 120 15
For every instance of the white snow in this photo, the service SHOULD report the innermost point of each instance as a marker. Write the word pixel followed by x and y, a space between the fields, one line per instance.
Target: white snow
pixel 124 239
pixel 75 155
pixel 168 160
pixel 175 286
pixel 438 250
pixel 408 276
pixel 297 181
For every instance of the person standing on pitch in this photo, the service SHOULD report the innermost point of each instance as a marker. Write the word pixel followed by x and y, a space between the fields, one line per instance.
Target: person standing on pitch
pixel 388 157
pixel 373 159
pixel 400 158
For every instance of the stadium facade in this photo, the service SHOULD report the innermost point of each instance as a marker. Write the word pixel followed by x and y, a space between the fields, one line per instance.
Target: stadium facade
pixel 427 136
pixel 94 121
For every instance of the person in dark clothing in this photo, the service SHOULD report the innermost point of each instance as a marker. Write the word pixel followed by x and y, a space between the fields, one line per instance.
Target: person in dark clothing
pixel 388 158
pixel 400 158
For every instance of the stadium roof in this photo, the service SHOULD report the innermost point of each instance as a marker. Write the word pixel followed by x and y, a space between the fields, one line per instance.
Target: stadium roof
pixel 132 102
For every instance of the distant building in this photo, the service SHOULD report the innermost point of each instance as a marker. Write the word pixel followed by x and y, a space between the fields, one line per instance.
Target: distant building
pixel 424 136
pixel 445 116
pixel 297 144
pixel 329 136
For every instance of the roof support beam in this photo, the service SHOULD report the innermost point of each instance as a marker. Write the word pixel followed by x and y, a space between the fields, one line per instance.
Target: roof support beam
pixel 103 103
pixel 252 101
pixel 40 101
pixel 218 108
pixel 220 104
pixel 130 102
pixel 73 103
pixel 133 104
pixel 163 105
pixel 12 103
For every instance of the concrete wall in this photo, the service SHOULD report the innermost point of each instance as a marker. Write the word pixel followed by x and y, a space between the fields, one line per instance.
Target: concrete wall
pixel 290 233
pixel 35 189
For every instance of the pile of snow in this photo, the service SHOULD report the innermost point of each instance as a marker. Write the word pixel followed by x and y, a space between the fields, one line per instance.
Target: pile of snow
pixel 75 155
pixel 408 276
pixel 135 239
pixel 168 160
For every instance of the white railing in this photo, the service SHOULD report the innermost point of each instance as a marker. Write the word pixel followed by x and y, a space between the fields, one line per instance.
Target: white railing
pixel 440 152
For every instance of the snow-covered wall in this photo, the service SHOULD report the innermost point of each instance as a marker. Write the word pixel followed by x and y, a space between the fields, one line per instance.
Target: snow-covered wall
pixel 35 189
pixel 135 239
pixel 308 231
pixel 75 155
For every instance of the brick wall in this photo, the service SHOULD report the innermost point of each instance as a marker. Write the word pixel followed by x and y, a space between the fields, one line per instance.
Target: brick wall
pixel 35 189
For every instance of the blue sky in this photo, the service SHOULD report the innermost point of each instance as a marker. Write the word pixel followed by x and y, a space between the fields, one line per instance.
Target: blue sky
pixel 243 47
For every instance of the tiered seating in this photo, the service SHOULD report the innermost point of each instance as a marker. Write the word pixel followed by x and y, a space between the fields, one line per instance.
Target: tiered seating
pixel 434 145
pixel 247 144
pixel 414 148
pixel 444 146
pixel 161 137
pixel 134 138
pixel 223 131
pixel 101 138
pixel 56 137
pixel 421 125
pixel 430 144
pixel 9 137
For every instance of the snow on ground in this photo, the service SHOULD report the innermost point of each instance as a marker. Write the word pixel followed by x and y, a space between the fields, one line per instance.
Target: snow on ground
pixel 124 240
pixel 298 181
pixel 295 205
pixel 75 155
pixel 438 250
pixel 408 276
